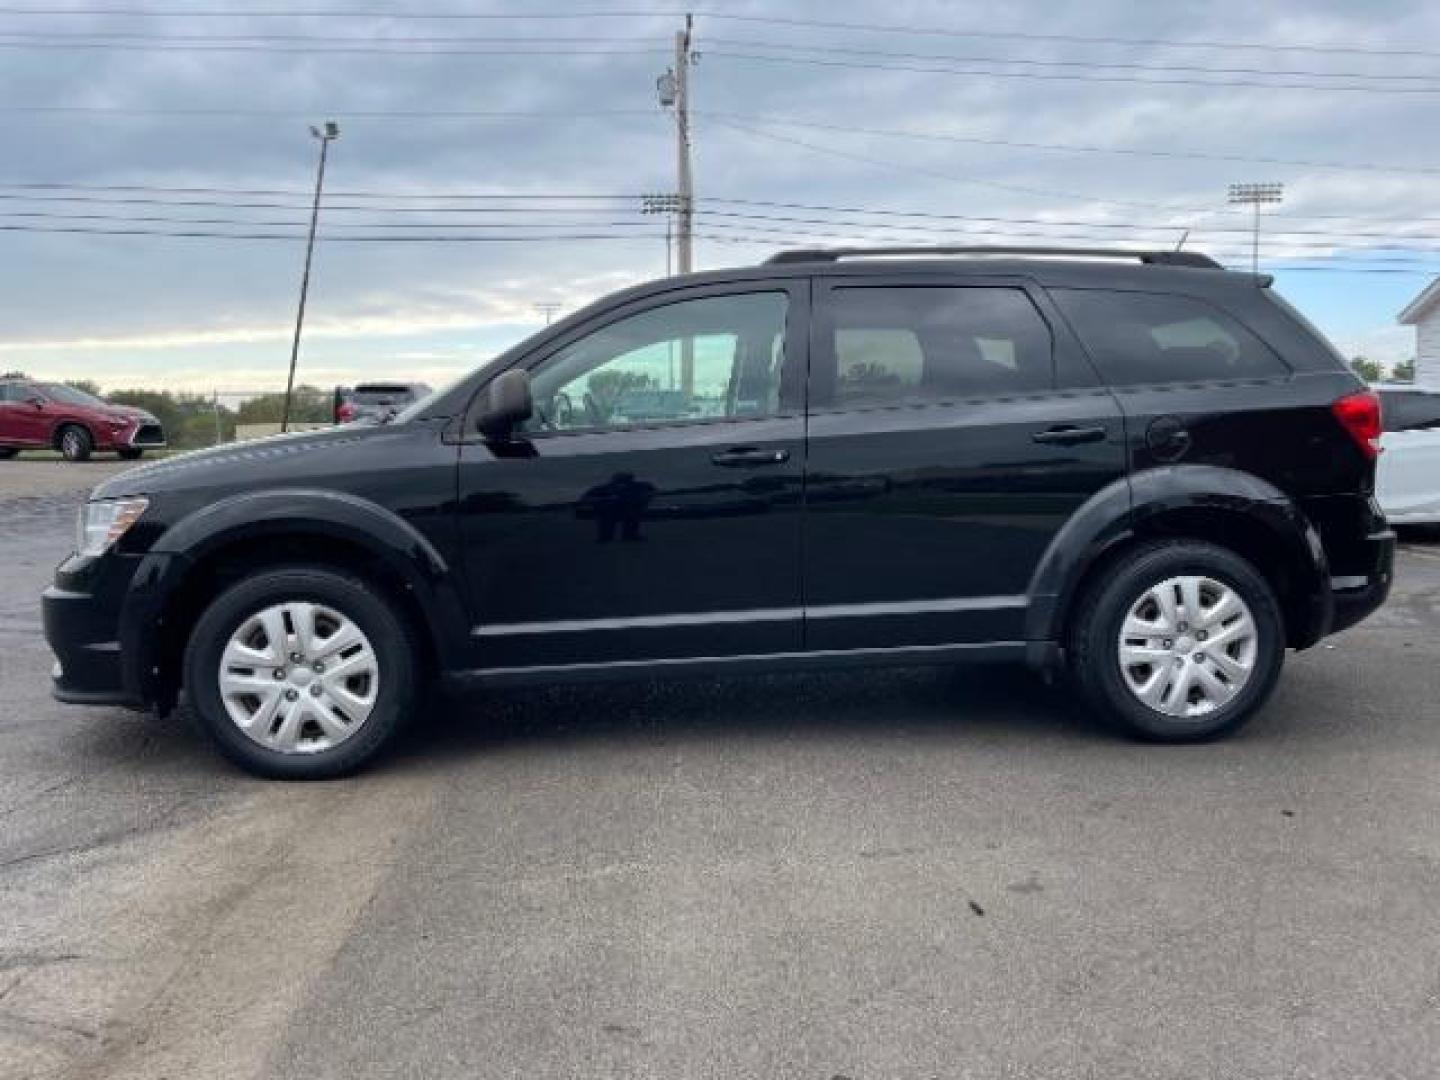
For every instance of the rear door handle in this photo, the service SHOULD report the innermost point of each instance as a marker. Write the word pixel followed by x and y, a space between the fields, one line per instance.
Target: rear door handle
pixel 745 457
pixel 1070 436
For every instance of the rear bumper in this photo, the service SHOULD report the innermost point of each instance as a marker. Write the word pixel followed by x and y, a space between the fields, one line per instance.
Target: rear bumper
pixel 1362 594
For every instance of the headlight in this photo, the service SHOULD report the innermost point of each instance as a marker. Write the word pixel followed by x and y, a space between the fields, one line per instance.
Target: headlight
pixel 103 522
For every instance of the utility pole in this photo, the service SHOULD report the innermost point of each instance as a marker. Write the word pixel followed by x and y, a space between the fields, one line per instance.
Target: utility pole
pixel 674 89
pixel 326 137
pixel 1253 195
pixel 548 308
pixel 684 182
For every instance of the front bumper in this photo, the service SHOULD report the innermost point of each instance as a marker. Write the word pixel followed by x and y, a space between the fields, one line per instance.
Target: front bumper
pixel 101 628
pixel 147 436
pixel 86 642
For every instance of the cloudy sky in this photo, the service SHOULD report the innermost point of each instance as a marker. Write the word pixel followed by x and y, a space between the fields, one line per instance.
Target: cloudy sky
pixel 491 162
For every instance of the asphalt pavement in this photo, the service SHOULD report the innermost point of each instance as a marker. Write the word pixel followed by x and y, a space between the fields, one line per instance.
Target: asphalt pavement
pixel 928 873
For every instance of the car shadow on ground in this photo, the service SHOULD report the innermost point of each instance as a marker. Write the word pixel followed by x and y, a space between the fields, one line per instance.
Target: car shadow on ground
pixel 984 707
pixel 989 704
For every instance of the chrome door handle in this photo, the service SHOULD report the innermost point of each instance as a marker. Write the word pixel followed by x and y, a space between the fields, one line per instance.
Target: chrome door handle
pixel 742 457
pixel 1069 436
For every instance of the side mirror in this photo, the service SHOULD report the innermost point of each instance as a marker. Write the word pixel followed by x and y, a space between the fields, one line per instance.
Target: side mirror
pixel 38 401
pixel 507 403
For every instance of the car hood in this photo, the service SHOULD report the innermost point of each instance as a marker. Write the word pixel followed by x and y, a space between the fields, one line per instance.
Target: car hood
pixel 269 458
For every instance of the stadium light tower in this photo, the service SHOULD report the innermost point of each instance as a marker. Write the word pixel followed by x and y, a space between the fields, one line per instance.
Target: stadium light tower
pixel 1254 195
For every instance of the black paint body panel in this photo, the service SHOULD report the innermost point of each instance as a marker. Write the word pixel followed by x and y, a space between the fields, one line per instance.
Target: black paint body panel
pixel 926 533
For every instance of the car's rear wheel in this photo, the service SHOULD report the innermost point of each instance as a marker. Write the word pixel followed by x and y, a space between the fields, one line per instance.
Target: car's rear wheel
pixel 1182 641
pixel 76 443
pixel 130 453
pixel 301 673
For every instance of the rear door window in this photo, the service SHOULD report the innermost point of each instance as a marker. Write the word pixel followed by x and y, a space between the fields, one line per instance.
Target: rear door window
pixel 1136 338
pixel 914 344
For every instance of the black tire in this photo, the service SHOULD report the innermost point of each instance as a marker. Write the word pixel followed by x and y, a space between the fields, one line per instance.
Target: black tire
pixel 1094 643
pixel 7 452
pixel 130 453
pixel 75 442
pixel 371 610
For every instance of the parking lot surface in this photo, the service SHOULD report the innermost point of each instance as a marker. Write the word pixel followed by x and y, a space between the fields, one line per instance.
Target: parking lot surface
pixel 931 873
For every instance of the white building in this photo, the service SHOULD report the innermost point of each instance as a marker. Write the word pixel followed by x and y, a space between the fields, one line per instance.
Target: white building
pixel 1423 313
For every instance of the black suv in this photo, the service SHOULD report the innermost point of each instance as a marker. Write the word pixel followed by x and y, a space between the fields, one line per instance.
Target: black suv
pixel 1135 467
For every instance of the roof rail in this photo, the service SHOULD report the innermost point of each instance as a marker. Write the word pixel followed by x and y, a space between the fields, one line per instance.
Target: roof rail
pixel 1153 258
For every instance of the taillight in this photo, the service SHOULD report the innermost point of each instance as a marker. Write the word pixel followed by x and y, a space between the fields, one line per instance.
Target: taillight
pixel 345 413
pixel 1359 414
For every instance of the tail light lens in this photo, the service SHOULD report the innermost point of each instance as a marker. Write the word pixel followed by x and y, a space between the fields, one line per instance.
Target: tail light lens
pixel 1359 414
pixel 345 413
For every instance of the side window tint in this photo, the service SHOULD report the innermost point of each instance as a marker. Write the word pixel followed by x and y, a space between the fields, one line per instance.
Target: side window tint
pixel 693 360
pixel 893 345
pixel 1157 338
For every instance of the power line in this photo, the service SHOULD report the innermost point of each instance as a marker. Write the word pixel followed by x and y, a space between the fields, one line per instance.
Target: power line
pixel 652 13
pixel 358 114
pixel 1041 192
pixel 298 236
pixel 328 50
pixel 497 196
pixel 1067 76
pixel 591 203
pixel 1086 65
pixel 1072 148
pixel 98 38
pixel 787 231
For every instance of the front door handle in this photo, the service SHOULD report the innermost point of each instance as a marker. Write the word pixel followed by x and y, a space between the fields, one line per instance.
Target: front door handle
pixel 1067 435
pixel 746 457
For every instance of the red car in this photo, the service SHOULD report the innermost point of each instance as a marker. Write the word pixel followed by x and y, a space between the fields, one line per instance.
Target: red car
pixel 53 416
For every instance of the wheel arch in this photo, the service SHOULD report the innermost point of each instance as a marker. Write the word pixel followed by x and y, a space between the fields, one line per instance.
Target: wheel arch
pixel 57 431
pixel 222 543
pixel 1227 507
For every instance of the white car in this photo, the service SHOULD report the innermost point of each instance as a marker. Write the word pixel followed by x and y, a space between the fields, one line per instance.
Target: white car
pixel 1408 482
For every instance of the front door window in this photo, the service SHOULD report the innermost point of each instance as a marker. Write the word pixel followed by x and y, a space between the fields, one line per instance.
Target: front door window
pixel 696 360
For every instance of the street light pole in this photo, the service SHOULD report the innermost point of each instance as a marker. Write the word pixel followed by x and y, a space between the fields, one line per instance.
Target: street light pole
pixel 1253 195
pixel 330 133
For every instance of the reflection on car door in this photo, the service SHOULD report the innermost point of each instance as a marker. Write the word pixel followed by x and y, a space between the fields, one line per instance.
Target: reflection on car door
pixel 650 510
pixel 954 429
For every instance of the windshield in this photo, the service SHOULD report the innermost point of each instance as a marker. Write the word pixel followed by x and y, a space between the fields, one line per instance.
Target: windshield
pixel 69 395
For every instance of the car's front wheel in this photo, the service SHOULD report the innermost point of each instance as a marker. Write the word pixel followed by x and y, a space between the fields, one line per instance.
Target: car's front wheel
pixel 301 673
pixel 76 443
pixel 1182 641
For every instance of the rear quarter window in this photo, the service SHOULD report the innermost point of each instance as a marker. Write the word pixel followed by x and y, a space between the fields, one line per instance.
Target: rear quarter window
pixel 1137 338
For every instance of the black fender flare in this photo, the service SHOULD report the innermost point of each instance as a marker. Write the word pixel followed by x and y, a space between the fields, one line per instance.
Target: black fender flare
pixel 1136 506
pixel 401 547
